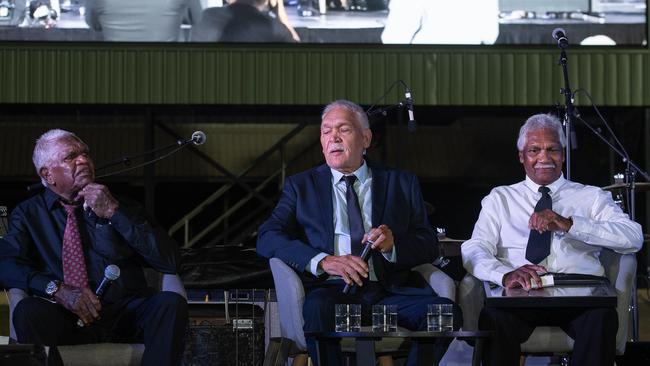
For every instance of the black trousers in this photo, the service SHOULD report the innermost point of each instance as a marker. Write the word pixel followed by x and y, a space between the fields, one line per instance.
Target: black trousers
pixel 592 329
pixel 318 313
pixel 159 320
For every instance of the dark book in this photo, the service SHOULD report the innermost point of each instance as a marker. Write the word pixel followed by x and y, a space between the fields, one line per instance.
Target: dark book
pixel 576 279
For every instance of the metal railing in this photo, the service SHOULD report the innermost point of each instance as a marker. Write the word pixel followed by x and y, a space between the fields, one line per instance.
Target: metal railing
pixel 252 192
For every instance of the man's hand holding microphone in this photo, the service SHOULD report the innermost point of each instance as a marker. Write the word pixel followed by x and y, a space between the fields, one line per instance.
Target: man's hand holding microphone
pixel 353 269
pixel 82 301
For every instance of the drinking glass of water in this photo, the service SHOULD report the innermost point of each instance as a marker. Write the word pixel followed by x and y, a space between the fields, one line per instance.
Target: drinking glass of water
pixel 433 317
pixel 447 317
pixel 384 318
pixel 347 317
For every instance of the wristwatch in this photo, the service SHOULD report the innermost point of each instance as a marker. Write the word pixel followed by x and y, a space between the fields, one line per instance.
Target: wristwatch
pixel 52 287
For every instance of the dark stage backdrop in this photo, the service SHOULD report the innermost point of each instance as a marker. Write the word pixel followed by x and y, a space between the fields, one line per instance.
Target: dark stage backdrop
pixel 459 154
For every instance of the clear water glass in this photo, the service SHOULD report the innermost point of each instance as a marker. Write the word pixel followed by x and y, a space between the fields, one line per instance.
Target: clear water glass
pixel 347 317
pixel 384 318
pixel 433 318
pixel 447 317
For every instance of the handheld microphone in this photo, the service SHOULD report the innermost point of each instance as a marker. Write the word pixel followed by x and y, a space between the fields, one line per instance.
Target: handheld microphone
pixel 198 138
pixel 412 125
pixel 365 255
pixel 111 273
pixel 559 35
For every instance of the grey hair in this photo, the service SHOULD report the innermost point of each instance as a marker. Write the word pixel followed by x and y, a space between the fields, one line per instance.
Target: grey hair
pixel 361 115
pixel 42 156
pixel 540 122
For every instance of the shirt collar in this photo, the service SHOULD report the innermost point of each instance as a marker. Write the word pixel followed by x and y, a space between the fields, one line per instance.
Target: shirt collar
pixel 362 173
pixel 553 186
pixel 51 198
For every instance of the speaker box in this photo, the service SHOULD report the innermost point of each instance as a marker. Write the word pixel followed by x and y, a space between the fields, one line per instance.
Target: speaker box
pixel 224 335
pixel 22 354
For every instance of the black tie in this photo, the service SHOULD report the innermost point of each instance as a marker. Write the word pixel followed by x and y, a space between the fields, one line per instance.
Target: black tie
pixel 354 215
pixel 539 245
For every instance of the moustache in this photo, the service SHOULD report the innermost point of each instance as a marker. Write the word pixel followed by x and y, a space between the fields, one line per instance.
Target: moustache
pixel 544 166
pixel 336 146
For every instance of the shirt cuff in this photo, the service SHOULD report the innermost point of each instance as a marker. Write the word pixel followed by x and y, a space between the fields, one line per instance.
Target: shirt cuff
pixel 580 226
pixel 119 218
pixel 391 256
pixel 496 276
pixel 38 283
pixel 313 264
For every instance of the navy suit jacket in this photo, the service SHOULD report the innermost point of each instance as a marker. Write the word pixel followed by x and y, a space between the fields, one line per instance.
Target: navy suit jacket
pixel 302 224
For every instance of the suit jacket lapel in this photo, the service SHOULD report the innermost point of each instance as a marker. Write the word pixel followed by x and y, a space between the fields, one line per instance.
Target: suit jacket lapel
pixel 379 191
pixel 323 182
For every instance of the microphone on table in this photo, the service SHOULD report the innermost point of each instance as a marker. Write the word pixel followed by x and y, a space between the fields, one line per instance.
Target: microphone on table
pixel 365 255
pixel 559 35
pixel 411 125
pixel 111 273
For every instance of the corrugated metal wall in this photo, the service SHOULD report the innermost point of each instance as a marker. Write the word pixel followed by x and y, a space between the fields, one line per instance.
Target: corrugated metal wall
pixel 302 74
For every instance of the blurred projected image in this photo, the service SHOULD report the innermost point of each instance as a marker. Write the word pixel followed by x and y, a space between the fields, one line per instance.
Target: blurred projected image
pixel 434 22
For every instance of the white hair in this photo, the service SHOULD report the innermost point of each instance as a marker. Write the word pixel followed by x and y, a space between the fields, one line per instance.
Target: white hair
pixel 540 122
pixel 361 115
pixel 42 156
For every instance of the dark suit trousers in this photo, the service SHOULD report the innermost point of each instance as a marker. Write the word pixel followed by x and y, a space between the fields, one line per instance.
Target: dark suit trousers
pixel 593 330
pixel 160 320
pixel 318 313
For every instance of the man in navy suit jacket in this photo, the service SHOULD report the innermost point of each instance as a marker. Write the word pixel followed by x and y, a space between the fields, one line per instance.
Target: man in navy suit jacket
pixel 310 231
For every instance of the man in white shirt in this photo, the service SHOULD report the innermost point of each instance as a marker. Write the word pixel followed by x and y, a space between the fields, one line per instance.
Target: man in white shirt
pixel 316 230
pixel 516 238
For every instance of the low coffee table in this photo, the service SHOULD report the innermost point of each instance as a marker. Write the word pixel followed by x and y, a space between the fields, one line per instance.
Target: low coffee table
pixel 365 344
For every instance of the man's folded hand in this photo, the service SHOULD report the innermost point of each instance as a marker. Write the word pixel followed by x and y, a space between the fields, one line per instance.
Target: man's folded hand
pixel 349 267
pixel 81 301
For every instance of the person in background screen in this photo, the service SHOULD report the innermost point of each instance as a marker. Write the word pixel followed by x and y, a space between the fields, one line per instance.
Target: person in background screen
pixel 442 22
pixel 136 20
pixel 546 223
pixel 276 8
pixel 245 21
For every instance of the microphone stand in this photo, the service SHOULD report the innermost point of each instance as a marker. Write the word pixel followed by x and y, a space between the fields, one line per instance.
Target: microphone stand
pixel 372 111
pixel 384 110
pixel 569 109
pixel 630 174
pixel 126 160
pixel 178 146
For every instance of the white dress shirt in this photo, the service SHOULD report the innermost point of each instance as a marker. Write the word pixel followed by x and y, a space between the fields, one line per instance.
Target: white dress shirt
pixel 363 187
pixel 498 243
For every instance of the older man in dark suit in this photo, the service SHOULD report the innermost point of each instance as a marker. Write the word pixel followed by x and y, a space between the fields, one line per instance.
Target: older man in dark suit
pixel 326 213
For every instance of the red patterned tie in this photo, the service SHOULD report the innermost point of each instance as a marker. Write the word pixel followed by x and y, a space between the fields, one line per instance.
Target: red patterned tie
pixel 72 256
